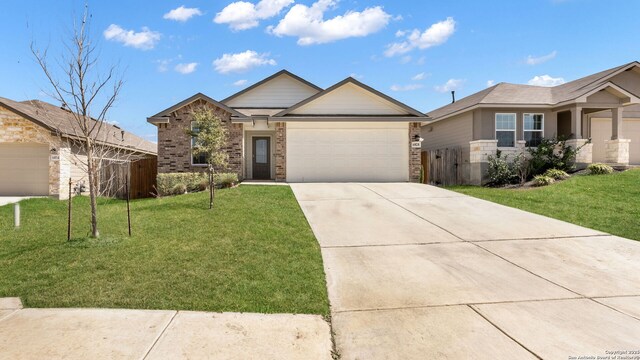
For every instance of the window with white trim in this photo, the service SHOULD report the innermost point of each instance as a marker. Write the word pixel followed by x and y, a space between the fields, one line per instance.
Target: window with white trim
pixel 506 130
pixel 200 159
pixel 533 128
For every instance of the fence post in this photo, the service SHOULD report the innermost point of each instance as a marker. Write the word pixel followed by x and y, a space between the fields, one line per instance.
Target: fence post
pixel 16 215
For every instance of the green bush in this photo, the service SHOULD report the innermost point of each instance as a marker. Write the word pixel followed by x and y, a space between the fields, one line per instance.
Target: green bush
pixel 191 181
pixel 500 171
pixel 543 180
pixel 556 174
pixel 599 169
pixel 178 189
pixel 552 154
pixel 225 179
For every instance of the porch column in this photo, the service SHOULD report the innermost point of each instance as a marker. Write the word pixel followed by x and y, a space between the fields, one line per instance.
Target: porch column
pixel 281 151
pixel 576 122
pixel 617 148
pixel 616 123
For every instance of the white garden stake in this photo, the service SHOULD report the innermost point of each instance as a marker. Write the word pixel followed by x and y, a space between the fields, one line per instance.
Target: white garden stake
pixel 16 214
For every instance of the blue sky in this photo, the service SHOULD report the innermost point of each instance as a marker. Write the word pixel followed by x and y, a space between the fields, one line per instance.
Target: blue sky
pixel 415 51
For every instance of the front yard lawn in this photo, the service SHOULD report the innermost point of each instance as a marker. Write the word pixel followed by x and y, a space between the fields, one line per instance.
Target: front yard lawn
pixel 254 253
pixel 609 203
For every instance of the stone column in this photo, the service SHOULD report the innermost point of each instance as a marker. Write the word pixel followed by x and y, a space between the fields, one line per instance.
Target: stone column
pixel 480 150
pixel 59 181
pixel 281 151
pixel 415 161
pixel 617 152
pixel 584 157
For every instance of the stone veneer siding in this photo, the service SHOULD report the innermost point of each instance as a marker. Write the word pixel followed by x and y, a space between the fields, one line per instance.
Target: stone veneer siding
pixel 415 160
pixel 16 129
pixel 174 144
pixel 281 151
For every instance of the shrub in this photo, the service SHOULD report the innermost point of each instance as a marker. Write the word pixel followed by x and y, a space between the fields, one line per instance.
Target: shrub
pixel 599 169
pixel 178 189
pixel 553 154
pixel 501 172
pixel 225 179
pixel 543 180
pixel 191 182
pixel 522 167
pixel 556 174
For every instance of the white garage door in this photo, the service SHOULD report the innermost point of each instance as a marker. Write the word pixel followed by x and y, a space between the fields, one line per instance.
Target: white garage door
pixel 24 169
pixel 601 131
pixel 334 152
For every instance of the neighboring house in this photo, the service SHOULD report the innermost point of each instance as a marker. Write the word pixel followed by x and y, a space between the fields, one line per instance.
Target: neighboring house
pixel 287 129
pixel 36 156
pixel 510 117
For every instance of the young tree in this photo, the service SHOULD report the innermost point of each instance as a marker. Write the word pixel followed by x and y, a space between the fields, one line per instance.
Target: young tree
pixel 88 94
pixel 210 140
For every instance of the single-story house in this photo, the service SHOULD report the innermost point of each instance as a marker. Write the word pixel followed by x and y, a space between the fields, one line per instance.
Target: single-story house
pixel 603 107
pixel 285 128
pixel 37 151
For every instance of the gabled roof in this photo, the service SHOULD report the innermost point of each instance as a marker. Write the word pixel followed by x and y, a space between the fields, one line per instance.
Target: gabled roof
pixel 57 119
pixel 505 94
pixel 266 80
pixel 351 80
pixel 164 114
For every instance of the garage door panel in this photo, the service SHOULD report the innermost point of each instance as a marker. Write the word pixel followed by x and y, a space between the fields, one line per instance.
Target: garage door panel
pixel 347 152
pixel 24 169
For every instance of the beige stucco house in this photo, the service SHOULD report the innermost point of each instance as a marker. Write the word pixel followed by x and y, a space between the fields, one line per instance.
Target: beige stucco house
pixel 285 128
pixel 37 157
pixel 603 107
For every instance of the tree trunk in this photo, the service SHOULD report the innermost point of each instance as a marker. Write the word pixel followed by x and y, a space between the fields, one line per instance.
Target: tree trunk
pixel 93 189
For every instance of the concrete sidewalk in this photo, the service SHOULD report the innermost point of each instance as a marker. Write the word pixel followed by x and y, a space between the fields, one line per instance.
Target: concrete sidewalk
pixel 158 334
pixel 419 272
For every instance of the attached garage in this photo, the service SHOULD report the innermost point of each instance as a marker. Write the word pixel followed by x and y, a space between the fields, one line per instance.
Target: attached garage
pixel 24 169
pixel 349 151
pixel 601 132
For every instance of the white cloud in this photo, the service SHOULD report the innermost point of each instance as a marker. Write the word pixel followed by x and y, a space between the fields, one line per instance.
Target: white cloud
pixel 182 14
pixel 356 76
pixel 243 15
pixel 406 59
pixel 308 23
pixel 419 77
pixel 241 62
pixel 531 60
pixel 435 35
pixel 490 83
pixel 145 39
pixel 241 82
pixel 546 80
pixel 163 65
pixel 186 68
pixel 450 85
pixel 408 87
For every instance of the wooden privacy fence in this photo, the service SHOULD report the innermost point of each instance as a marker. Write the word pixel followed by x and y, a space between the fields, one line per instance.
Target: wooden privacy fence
pixel 443 166
pixel 142 178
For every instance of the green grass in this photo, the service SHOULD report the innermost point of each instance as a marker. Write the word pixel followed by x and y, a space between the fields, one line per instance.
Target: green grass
pixel 609 203
pixel 254 253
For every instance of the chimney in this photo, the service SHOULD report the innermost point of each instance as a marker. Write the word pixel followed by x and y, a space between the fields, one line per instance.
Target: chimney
pixel 453 96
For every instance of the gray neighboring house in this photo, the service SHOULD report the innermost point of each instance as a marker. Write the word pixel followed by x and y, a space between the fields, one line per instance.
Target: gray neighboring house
pixel 603 107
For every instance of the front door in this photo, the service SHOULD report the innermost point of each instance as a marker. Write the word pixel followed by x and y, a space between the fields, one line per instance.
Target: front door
pixel 261 158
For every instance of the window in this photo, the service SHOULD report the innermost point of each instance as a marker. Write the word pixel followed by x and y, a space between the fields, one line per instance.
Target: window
pixel 533 128
pixel 200 159
pixel 506 130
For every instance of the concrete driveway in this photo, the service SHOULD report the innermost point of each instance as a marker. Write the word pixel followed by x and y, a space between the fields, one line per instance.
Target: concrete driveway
pixel 418 272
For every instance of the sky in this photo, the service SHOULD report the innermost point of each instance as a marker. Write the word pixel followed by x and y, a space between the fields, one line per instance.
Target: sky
pixel 414 51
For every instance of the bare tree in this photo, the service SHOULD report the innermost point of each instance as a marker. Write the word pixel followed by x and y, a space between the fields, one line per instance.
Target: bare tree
pixel 87 94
